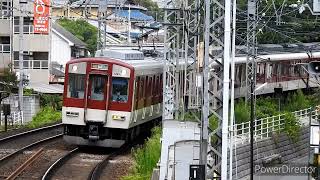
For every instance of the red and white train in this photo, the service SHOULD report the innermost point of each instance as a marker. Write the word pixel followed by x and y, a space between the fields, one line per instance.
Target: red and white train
pixel 109 100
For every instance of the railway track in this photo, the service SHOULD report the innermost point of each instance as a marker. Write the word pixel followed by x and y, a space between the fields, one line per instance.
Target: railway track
pixel 69 166
pixel 20 153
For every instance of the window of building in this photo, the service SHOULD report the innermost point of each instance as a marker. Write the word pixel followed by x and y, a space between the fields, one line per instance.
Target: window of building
pixel 27 25
pixel 119 89
pixel 5 9
pixel 76 85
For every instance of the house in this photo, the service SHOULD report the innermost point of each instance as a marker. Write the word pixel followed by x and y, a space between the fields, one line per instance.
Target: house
pixel 65 46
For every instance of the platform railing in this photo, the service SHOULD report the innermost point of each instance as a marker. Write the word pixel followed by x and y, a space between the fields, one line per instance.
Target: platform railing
pixel 266 127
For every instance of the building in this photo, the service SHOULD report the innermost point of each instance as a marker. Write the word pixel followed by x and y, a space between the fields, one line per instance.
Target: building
pixel 117 13
pixel 36 59
pixel 65 46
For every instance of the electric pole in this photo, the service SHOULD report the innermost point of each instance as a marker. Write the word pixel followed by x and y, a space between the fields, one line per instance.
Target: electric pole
pixel 21 73
pixel 251 71
pixel 102 10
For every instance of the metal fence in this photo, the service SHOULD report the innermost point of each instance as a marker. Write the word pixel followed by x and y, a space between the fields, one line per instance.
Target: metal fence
pixel 265 127
pixel 16 118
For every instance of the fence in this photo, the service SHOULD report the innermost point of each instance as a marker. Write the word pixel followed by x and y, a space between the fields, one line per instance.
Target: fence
pixel 265 127
pixel 16 118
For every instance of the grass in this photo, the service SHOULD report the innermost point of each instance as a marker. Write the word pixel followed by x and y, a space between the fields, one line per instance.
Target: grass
pixel 46 115
pixel 146 157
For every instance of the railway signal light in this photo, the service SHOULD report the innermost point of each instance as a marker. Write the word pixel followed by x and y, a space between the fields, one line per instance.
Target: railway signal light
pixel 314 68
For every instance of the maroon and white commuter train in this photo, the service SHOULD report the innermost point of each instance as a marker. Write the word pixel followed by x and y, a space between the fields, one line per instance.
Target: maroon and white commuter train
pixel 109 100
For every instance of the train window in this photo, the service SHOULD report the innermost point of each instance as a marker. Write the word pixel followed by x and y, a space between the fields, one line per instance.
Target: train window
pixel 76 86
pixel 119 89
pixel 97 87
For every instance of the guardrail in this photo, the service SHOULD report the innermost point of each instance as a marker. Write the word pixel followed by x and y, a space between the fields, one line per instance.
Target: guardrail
pixel 264 127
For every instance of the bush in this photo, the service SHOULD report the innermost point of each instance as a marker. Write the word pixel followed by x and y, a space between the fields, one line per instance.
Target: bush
pixel 266 107
pixel 241 112
pixel 291 126
pixel 54 101
pixel 297 101
pixel 146 157
pixel 46 115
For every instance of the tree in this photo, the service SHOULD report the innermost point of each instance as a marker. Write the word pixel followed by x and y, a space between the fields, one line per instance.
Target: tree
pixel 8 82
pixel 82 30
pixel 152 7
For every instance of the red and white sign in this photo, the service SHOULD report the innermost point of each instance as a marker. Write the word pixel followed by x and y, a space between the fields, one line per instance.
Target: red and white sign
pixel 41 16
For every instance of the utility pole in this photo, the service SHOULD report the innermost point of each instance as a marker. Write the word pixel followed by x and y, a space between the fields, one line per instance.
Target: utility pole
pixel 21 73
pixel 251 71
pixel 129 26
pixel 102 10
pixel 217 34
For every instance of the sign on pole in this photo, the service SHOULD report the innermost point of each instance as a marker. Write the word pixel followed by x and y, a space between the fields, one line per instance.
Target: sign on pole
pixel 41 11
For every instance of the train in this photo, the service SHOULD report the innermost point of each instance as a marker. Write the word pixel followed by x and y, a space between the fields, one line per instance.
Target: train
pixel 109 99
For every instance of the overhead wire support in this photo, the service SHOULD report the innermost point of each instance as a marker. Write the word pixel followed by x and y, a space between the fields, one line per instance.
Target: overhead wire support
pixel 217 34
pixel 191 91
pixel 251 70
pixel 173 56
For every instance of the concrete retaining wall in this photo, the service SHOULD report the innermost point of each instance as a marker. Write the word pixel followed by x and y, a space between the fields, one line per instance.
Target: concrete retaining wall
pixel 280 144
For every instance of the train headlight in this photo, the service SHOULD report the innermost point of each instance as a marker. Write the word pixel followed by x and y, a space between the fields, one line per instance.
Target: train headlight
pixel 119 118
pixel 74 68
pixel 123 72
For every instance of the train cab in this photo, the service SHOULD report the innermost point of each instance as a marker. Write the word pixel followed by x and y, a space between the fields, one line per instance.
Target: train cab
pixel 95 90
pixel 106 99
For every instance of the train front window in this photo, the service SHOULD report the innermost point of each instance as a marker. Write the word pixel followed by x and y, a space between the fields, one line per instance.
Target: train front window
pixel 119 89
pixel 76 86
pixel 97 87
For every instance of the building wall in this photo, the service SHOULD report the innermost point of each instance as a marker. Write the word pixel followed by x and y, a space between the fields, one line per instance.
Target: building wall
pixel 36 47
pixel 60 49
pixel 38 75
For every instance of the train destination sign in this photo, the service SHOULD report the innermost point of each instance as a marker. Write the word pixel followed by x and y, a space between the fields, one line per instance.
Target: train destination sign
pixel 41 16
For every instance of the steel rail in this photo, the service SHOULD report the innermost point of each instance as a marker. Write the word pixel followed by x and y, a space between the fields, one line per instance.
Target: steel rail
pixel 98 169
pixel 26 164
pixel 30 132
pixel 29 146
pixel 58 163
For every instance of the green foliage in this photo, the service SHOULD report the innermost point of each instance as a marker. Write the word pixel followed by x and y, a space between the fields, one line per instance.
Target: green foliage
pixel 82 30
pixel 294 27
pixel 241 111
pixel 46 115
pixel 9 79
pixel 146 157
pixel 53 101
pixel 314 98
pixel 266 107
pixel 149 4
pixel 28 92
pixel 213 122
pixel 297 101
pixel 291 126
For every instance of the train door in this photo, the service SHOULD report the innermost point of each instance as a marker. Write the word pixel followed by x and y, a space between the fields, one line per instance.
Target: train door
pixel 97 98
